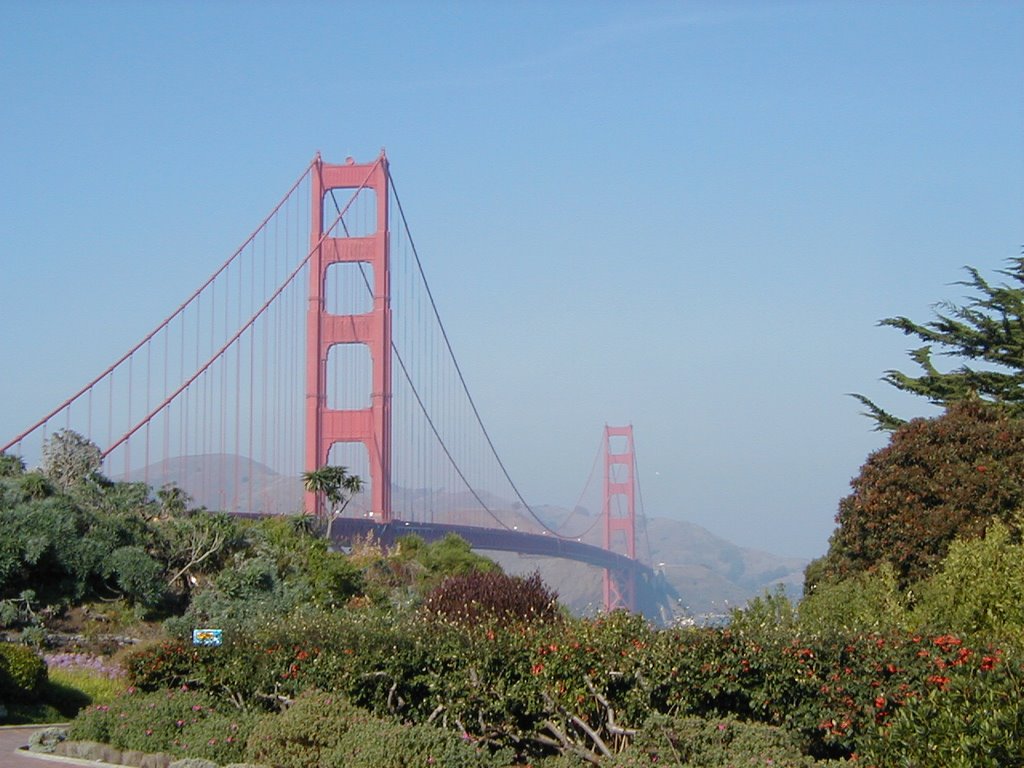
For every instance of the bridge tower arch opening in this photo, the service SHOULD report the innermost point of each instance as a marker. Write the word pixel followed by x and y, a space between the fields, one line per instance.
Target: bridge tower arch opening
pixel 619 515
pixel 334 241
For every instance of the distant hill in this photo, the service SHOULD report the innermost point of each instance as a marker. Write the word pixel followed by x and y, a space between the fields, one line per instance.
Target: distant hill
pixel 710 575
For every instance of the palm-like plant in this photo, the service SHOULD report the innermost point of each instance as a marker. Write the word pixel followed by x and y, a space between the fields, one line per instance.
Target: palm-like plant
pixel 335 484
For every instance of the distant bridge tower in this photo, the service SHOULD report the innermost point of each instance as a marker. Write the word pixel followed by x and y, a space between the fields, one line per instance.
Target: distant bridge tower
pixel 370 426
pixel 619 516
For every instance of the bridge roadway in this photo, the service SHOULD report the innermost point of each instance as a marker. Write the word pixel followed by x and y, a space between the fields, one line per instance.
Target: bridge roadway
pixel 345 528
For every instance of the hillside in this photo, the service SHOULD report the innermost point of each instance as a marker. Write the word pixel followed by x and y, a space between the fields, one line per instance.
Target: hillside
pixel 710 575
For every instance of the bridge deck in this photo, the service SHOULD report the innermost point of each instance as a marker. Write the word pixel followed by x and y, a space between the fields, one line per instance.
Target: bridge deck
pixel 489 538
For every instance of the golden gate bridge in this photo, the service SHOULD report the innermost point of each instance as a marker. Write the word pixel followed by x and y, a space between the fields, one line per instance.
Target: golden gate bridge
pixel 318 342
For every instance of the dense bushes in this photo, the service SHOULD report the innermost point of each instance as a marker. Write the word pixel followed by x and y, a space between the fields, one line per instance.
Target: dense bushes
pixel 716 743
pixel 582 685
pixel 938 480
pixel 22 673
pixel 304 733
pixel 182 723
pixel 973 719
pixel 473 597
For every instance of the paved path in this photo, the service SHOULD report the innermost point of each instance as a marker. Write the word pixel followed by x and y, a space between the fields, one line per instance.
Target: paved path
pixel 14 737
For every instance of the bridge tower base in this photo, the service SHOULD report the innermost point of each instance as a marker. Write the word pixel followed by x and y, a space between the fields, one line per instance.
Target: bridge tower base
pixel 329 245
pixel 619 515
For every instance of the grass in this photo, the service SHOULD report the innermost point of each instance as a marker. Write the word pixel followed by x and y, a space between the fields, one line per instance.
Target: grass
pixel 68 690
pixel 97 688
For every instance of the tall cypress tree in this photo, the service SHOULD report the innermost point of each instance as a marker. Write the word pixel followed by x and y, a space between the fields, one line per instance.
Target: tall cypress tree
pixel 987 333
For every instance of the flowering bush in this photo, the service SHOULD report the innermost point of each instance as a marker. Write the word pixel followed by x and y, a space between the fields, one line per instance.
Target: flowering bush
pixel 971 717
pixel 180 723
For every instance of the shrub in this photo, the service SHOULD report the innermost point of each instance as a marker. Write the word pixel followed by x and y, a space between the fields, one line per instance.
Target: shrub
pixel 181 723
pixel 299 737
pixel 46 740
pixel 938 480
pixel 168 664
pixel 974 719
pixel 139 577
pixel 716 743
pixel 476 596
pixel 22 673
pixel 377 743
pixel 979 588
pixel 860 604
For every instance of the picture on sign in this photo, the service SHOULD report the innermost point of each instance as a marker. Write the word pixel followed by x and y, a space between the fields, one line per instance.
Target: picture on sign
pixel 207 636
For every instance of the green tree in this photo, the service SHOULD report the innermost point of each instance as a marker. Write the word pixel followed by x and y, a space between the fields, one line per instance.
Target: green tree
pixel 192 544
pixel 334 484
pixel 987 332
pixel 11 466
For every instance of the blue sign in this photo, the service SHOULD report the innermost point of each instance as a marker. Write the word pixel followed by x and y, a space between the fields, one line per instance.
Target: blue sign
pixel 207 636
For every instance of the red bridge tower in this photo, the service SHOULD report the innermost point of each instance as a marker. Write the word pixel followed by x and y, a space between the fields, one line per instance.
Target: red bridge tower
pixel 370 426
pixel 619 516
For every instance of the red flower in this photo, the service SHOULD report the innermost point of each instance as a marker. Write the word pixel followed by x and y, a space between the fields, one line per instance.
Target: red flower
pixel 940 680
pixel 947 642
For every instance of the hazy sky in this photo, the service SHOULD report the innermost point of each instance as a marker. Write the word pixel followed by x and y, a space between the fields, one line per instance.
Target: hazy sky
pixel 686 216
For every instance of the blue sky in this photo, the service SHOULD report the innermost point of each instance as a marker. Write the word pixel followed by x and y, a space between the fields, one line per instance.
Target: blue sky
pixel 686 216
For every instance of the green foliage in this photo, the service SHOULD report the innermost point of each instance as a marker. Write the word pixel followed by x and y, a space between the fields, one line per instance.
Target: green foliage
pixel 137 575
pixel 970 720
pixel 11 466
pixel 194 544
pixel 180 723
pixel 35 485
pixel 68 552
pixel 937 480
pixel 770 612
pixel 477 596
pixel 865 603
pixel 988 329
pixel 335 484
pixel 281 568
pixel 22 673
pixel 978 589
pixel 30 713
pixel 452 556
pixel 300 736
pixel 696 742
pixel 69 699
pixel 382 744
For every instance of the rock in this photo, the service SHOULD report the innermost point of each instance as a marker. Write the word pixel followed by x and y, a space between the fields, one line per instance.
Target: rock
pixel 156 760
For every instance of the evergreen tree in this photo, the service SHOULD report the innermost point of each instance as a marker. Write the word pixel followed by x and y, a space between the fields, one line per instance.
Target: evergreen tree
pixel 987 332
